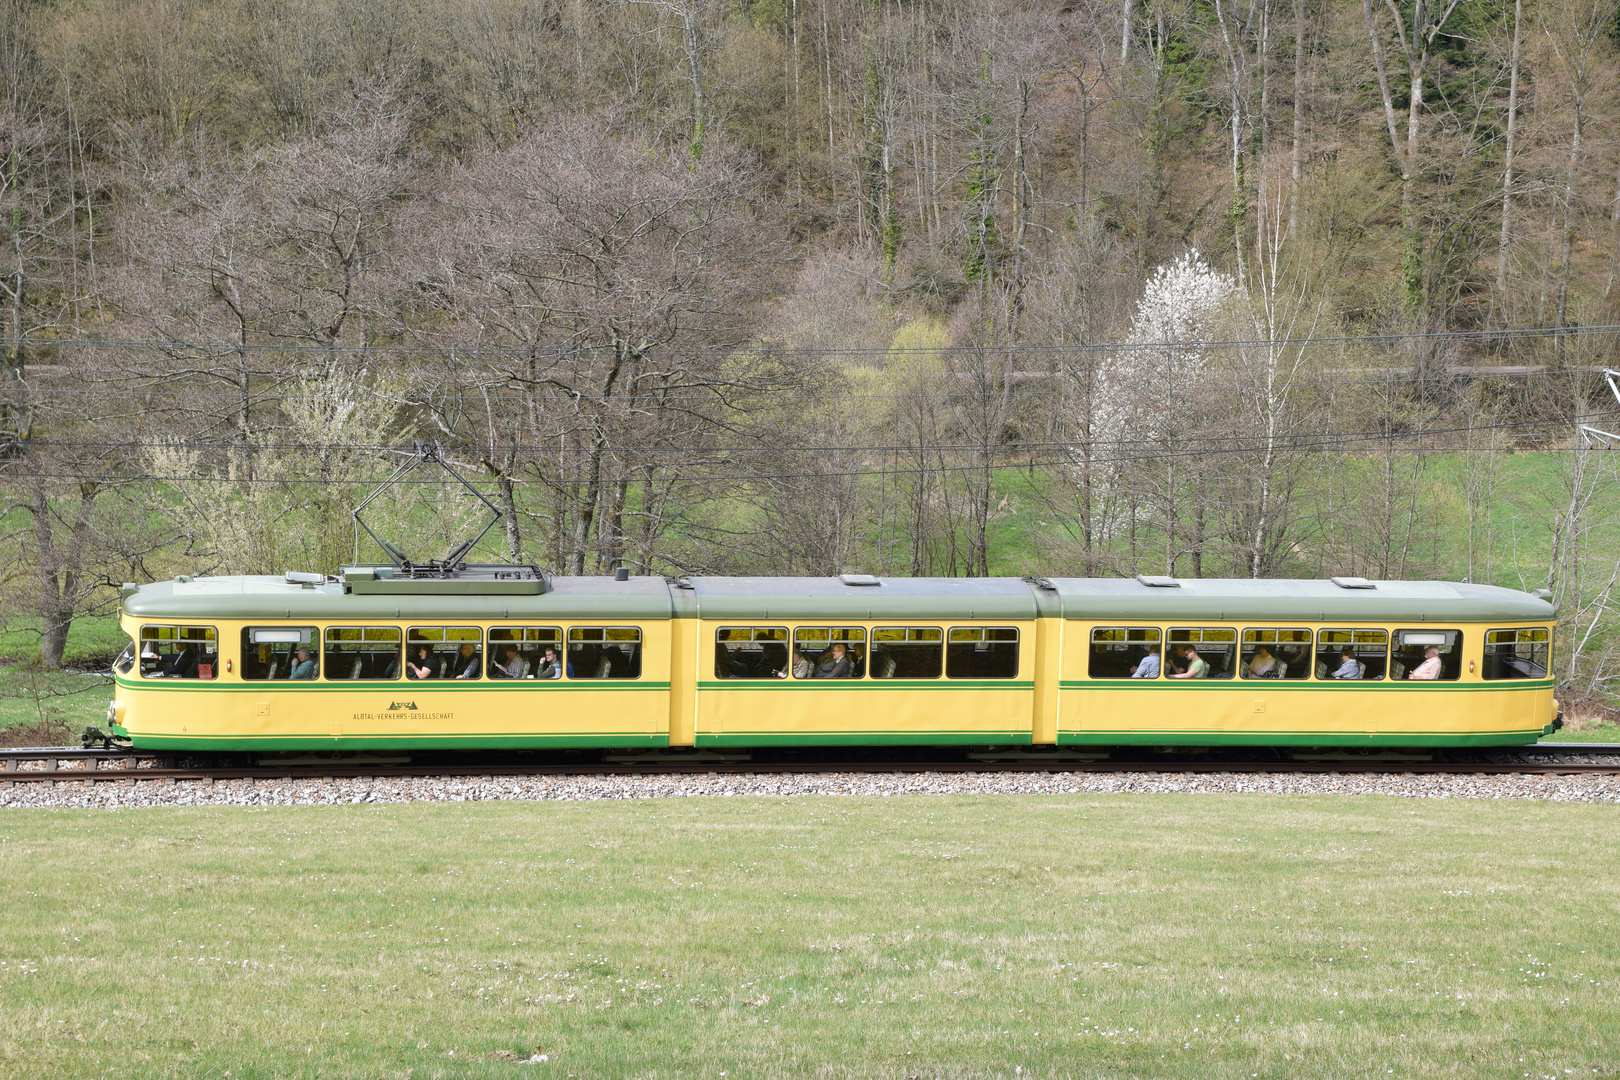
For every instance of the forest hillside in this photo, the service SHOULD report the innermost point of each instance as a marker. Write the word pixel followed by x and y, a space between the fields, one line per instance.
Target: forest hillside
pixel 1200 287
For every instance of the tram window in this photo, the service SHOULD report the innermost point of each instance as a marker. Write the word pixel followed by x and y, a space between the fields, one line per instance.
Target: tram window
pixel 444 652
pixel 271 653
pixel 179 652
pixel 1276 654
pixel 1125 652
pixel 907 652
pixel 1411 659
pixel 816 656
pixel 525 652
pixel 126 658
pixel 604 652
pixel 1517 654
pixel 751 652
pixel 982 652
pixel 362 652
pixel 1216 647
pixel 1369 652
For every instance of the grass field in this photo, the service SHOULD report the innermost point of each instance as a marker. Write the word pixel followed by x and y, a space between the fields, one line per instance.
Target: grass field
pixel 1155 936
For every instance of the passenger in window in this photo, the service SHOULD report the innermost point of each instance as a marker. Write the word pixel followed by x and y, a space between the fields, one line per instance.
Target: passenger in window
pixel 422 666
pixel 513 666
pixel 1147 667
pixel 801 666
pixel 837 664
pixel 467 663
pixel 304 667
pixel 184 664
pixel 1430 668
pixel 1192 665
pixel 1262 665
pixel 548 665
pixel 1348 668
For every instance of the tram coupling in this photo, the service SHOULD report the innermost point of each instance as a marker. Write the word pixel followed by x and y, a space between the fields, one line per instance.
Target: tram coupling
pixel 93 736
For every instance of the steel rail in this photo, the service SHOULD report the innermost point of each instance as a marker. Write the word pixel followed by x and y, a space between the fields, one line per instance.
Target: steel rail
pixel 92 767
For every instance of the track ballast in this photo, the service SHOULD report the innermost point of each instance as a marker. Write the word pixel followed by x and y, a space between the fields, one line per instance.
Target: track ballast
pixel 51 765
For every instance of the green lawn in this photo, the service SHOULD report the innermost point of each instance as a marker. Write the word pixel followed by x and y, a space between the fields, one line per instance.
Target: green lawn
pixel 1592 732
pixel 54 706
pixel 93 640
pixel 1155 936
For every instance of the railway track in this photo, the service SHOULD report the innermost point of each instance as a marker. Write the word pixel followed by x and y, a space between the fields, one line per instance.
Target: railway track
pixel 63 764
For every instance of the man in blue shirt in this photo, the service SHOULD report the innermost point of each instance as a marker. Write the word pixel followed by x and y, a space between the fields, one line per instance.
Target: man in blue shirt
pixel 1147 667
pixel 1348 668
pixel 305 668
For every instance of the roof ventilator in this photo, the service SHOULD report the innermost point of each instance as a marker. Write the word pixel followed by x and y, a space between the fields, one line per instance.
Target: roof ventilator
pixel 859 579
pixel 1353 583
pixel 1158 581
pixel 1042 583
pixel 305 578
pixel 621 573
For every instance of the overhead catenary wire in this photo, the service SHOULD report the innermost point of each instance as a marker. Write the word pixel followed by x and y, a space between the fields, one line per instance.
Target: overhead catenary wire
pixel 428 349
pixel 1323 443
pixel 735 392
pixel 1202 443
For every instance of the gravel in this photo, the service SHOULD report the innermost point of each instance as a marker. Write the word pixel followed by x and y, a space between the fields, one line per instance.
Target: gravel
pixel 119 794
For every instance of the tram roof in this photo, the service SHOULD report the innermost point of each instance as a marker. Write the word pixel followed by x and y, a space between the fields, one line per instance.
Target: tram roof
pixel 750 598
pixel 265 597
pixel 882 598
pixel 1304 600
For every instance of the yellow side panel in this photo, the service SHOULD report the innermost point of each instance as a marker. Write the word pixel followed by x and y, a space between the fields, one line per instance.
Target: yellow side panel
pixel 683 682
pixel 227 709
pixel 1048 636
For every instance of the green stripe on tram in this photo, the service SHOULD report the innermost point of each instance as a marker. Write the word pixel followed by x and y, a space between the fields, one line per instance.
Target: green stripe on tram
pixel 1253 685
pixel 817 685
pixel 566 741
pixel 423 686
pixel 1195 737
pixel 864 738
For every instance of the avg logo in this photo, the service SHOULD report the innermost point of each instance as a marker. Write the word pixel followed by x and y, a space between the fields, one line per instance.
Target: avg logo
pixel 402 706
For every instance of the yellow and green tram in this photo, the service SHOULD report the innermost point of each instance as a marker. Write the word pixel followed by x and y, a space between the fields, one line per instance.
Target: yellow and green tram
pixel 509 658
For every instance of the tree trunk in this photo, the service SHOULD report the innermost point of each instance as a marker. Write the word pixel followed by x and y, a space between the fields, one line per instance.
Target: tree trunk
pixel 1297 164
pixel 59 570
pixel 585 513
pixel 1566 250
pixel 1507 160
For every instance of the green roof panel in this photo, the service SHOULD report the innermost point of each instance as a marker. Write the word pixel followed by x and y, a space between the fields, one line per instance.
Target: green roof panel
pixel 1300 600
pixel 274 598
pixel 751 598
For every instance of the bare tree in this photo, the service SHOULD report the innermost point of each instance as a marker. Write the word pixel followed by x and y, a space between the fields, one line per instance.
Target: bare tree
pixel 1416 43
pixel 239 266
pixel 1576 31
pixel 614 276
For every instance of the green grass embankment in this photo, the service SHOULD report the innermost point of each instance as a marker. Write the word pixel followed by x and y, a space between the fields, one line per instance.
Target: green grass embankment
pixel 55 706
pixel 1161 936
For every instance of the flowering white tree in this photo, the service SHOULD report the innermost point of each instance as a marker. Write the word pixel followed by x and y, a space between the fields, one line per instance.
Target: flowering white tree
pixel 1154 391
pixel 1148 387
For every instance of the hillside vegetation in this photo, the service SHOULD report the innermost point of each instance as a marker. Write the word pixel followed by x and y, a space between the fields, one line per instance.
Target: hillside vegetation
pixel 1281 287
